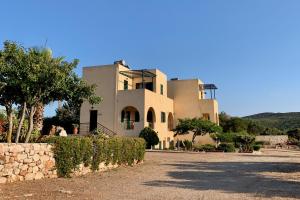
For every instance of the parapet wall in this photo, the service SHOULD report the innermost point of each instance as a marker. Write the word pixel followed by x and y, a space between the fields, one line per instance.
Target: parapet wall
pixel 272 139
pixel 32 161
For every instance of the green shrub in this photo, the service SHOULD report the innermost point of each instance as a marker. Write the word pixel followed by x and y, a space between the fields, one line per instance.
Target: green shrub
pixel 226 147
pixel 256 147
pixel 70 152
pixel 171 146
pixel 224 137
pixel 150 136
pixel 205 147
pixel 188 145
pixel 245 142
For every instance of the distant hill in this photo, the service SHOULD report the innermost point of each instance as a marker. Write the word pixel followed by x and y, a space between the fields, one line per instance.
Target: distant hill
pixel 282 121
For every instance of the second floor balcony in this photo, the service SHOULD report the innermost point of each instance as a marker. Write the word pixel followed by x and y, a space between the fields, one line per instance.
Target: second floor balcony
pixel 136 79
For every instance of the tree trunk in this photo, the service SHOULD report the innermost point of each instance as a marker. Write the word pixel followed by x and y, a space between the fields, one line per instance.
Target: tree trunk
pixel 38 117
pixel 21 121
pixel 30 121
pixel 10 123
pixel 194 137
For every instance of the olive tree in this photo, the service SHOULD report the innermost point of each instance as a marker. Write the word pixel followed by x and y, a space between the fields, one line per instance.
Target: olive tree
pixel 197 126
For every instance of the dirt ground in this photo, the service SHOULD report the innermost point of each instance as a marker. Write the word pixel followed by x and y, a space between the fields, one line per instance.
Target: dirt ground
pixel 275 174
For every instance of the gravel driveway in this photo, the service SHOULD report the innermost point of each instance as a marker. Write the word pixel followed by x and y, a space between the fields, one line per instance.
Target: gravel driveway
pixel 275 174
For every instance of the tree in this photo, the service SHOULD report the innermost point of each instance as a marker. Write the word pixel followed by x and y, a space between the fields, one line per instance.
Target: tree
pixel 295 133
pixel 150 137
pixel 272 131
pixel 198 126
pixel 12 60
pixel 254 128
pixel 31 78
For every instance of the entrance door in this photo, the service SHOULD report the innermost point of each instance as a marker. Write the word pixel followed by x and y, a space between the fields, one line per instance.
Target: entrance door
pixel 93 119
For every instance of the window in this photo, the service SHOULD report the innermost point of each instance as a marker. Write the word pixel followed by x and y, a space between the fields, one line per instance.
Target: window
pixel 136 116
pixel 161 89
pixel 163 117
pixel 138 85
pixel 122 116
pixel 206 116
pixel 125 85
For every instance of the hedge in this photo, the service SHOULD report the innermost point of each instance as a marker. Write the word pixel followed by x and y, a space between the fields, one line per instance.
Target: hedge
pixel 226 147
pixel 70 152
pixel 205 147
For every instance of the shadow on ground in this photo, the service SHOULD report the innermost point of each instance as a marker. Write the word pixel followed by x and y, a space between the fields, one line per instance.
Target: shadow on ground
pixel 236 177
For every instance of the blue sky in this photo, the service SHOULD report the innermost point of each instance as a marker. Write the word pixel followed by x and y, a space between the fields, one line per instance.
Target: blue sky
pixel 250 49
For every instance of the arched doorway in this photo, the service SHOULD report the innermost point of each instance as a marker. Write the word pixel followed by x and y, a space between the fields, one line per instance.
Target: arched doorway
pixel 170 122
pixel 129 116
pixel 151 117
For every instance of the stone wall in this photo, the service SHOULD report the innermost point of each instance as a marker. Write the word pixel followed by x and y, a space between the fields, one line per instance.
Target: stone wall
pixel 32 161
pixel 20 162
pixel 272 139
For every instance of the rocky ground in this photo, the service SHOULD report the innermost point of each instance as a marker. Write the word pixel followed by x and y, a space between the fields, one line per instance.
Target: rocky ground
pixel 275 174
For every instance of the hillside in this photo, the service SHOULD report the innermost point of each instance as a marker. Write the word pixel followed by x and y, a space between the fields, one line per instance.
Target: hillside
pixel 282 121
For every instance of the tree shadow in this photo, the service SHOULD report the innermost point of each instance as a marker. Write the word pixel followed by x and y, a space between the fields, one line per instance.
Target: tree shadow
pixel 258 178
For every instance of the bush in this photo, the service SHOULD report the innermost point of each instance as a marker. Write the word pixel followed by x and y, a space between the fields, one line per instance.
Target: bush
pixel 171 146
pixel 70 152
pixel 226 147
pixel 188 145
pixel 224 137
pixel 245 142
pixel 205 147
pixel 256 147
pixel 150 136
pixel 294 134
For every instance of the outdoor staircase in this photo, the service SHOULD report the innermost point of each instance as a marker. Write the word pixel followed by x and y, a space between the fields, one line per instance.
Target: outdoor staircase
pixel 84 129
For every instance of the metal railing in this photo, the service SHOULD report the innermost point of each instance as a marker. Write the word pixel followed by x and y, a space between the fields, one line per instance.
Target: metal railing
pixel 128 124
pixel 84 129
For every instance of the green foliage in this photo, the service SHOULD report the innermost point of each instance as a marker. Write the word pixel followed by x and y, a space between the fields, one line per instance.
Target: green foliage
pixel 188 145
pixel 171 146
pixel 272 131
pixel 150 136
pixel 235 124
pixel 226 147
pixel 30 77
pixel 224 137
pixel 255 128
pixel 70 152
pixel 256 147
pixel 245 142
pixel 281 121
pixel 205 147
pixel 295 134
pixel 196 125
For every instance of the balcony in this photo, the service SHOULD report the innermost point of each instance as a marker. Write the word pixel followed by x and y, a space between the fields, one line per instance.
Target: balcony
pixel 128 124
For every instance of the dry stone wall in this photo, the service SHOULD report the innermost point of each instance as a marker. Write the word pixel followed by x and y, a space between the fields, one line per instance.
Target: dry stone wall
pixel 20 162
pixel 272 139
pixel 32 161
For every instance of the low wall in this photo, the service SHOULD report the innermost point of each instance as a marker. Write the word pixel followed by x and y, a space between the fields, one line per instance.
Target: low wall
pixel 32 161
pixel 272 139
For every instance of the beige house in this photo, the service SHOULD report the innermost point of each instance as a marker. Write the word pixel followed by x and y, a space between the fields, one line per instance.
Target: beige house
pixel 135 99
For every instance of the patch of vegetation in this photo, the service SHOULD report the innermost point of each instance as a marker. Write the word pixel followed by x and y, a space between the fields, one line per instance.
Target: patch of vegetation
pixel 188 145
pixel 205 147
pixel 70 152
pixel 281 121
pixel 226 147
pixel 150 136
